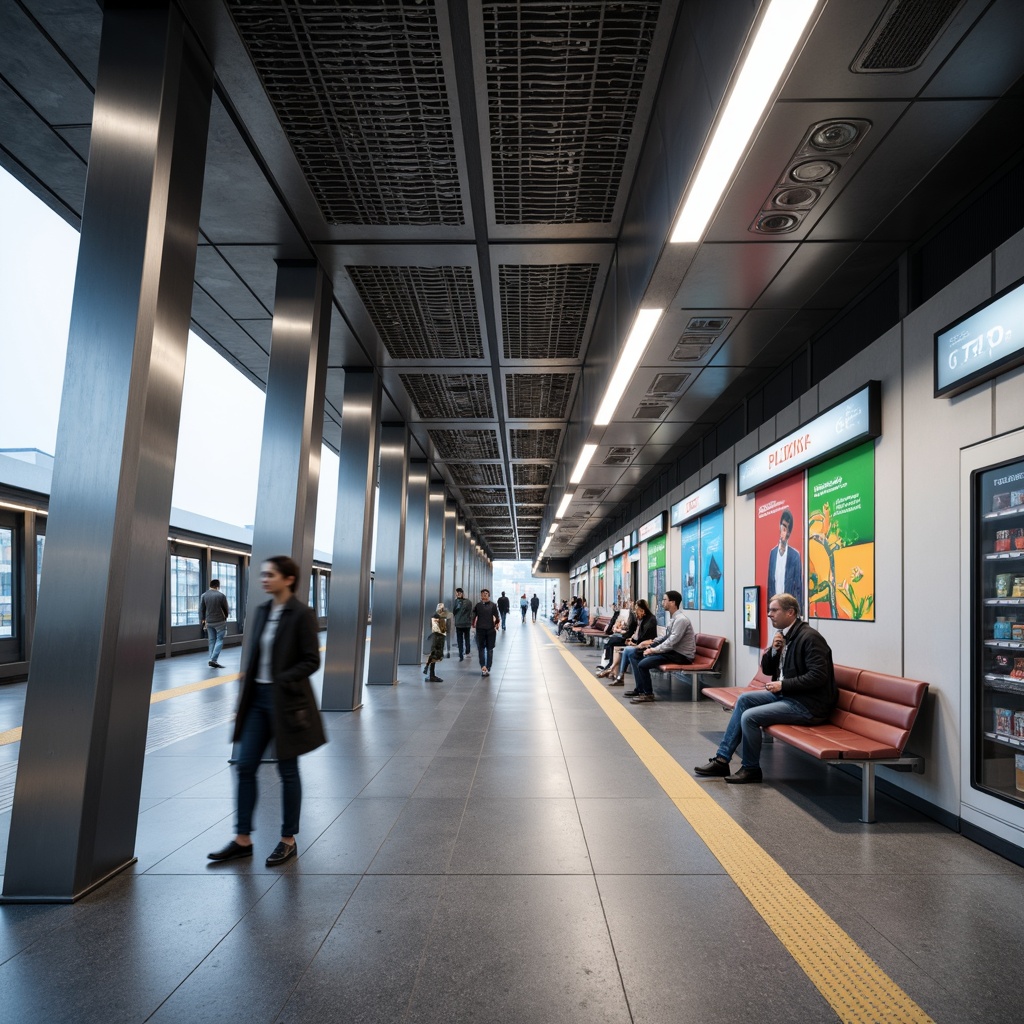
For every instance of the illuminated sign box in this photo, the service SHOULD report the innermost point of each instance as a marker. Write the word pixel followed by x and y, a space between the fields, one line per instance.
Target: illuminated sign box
pixel 617 548
pixel 706 499
pixel 653 527
pixel 981 344
pixel 602 557
pixel 840 427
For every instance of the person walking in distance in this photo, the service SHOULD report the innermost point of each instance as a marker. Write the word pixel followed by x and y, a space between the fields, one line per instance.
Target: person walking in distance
pixel 486 619
pixel 503 608
pixel 462 612
pixel 534 606
pixel 213 616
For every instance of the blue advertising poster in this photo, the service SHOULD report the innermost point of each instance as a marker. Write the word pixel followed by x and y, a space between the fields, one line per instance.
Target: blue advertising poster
pixel 712 561
pixel 617 578
pixel 689 543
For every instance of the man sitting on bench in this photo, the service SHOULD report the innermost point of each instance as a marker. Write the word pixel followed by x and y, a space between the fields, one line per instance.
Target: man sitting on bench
pixel 803 692
pixel 677 646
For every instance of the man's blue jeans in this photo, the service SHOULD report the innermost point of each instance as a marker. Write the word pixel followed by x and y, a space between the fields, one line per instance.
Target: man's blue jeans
pixel 215 634
pixel 630 654
pixel 752 711
pixel 642 668
pixel 256 734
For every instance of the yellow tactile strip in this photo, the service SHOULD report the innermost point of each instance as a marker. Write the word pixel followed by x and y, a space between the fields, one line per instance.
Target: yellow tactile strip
pixel 857 989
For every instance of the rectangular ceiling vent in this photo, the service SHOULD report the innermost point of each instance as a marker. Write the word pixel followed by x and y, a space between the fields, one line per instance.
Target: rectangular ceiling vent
pixel 361 94
pixel 422 312
pixel 481 474
pixel 668 385
pixel 535 444
pixel 651 410
pixel 903 35
pixel 689 350
pixel 708 324
pixel 531 473
pixel 454 445
pixel 620 455
pixel 593 493
pixel 544 309
pixel 449 396
pixel 564 82
pixel 543 396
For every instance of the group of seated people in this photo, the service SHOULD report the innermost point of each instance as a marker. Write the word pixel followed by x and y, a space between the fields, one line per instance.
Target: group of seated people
pixel 573 617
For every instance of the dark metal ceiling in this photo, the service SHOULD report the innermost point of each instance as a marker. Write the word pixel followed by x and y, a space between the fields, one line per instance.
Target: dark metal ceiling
pixel 491 185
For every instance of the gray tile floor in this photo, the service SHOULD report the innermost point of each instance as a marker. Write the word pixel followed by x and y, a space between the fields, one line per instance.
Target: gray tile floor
pixel 492 850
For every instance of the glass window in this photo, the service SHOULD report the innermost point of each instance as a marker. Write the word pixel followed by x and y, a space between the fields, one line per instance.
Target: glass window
pixel 227 573
pixel 185 591
pixel 312 583
pixel 40 544
pixel 322 611
pixel 6 582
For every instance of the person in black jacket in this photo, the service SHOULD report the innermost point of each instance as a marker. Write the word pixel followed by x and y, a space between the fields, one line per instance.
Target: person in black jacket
pixel 276 703
pixel 503 607
pixel 802 692
pixel 646 629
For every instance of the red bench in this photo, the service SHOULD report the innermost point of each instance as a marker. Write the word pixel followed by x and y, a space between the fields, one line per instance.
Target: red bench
pixel 705 662
pixel 870 725
pixel 582 633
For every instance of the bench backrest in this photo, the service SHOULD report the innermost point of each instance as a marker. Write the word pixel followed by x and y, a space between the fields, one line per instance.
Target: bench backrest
pixel 601 622
pixel 879 707
pixel 709 646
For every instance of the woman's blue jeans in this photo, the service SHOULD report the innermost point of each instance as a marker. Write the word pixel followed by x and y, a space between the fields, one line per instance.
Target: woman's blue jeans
pixel 256 734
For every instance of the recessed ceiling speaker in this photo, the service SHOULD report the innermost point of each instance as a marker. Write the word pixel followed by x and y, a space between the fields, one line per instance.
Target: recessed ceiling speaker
pixel 798 198
pixel 777 223
pixel 813 171
pixel 833 135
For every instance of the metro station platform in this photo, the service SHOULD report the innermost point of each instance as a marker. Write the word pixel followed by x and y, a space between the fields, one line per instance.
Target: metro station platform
pixel 527 847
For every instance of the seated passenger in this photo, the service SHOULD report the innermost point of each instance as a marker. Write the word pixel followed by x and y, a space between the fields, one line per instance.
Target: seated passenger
pixel 802 692
pixel 679 644
pixel 619 629
pixel 646 629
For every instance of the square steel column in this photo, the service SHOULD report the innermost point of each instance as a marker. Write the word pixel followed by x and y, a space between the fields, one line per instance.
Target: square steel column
pixel 448 584
pixel 349 596
pixel 411 644
pixel 293 425
pixel 76 802
pixel 387 576
pixel 435 551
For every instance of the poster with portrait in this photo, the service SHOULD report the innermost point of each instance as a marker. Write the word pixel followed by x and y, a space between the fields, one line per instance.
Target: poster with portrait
pixel 689 543
pixel 841 537
pixel 779 533
pixel 712 561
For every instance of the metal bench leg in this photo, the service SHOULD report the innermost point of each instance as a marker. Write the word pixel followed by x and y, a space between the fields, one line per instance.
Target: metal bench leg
pixel 694 686
pixel 867 792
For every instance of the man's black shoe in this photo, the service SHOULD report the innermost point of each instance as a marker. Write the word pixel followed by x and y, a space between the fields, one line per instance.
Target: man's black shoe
pixel 631 693
pixel 282 852
pixel 216 664
pixel 231 852
pixel 746 775
pixel 714 768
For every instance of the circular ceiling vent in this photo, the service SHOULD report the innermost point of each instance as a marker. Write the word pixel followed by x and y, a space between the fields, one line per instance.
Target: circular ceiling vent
pixel 833 135
pixel 777 223
pixel 813 171
pixel 796 198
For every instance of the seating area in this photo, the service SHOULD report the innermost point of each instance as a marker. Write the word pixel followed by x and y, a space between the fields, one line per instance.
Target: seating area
pixel 705 662
pixel 870 725
pixel 586 634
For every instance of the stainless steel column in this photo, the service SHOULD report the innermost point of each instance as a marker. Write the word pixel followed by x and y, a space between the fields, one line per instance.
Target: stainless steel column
pixel 448 584
pixel 435 549
pixel 87 706
pixel 293 424
pixel 411 642
pixel 349 594
pixel 387 577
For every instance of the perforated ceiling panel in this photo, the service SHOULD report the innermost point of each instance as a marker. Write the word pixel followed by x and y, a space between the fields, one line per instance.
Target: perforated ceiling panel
pixel 535 444
pixel 360 92
pixel 538 395
pixel 530 495
pixel 455 396
pixel 494 496
pixel 422 312
pixel 479 473
pixel 563 85
pixel 465 444
pixel 531 474
pixel 544 310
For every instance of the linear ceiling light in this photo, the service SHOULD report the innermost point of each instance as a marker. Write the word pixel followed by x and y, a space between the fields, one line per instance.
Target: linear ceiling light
pixel 582 462
pixel 569 495
pixel 629 360
pixel 554 526
pixel 766 61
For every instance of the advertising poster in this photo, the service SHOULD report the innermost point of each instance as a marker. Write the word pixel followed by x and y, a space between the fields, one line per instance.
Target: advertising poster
pixel 779 533
pixel 600 587
pixel 689 541
pixel 841 537
pixel 656 576
pixel 712 561
pixel 617 582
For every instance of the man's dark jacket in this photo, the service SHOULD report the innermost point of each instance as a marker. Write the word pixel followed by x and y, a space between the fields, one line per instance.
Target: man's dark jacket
pixel 808 676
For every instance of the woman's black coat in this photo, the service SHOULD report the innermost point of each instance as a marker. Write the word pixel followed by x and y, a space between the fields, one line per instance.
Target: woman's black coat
pixel 646 628
pixel 295 656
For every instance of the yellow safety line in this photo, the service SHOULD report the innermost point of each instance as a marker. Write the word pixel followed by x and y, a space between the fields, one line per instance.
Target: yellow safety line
pixel 855 986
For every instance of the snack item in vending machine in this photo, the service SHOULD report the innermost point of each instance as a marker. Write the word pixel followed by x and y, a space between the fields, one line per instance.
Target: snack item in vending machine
pixel 1018 724
pixel 1002 540
pixel 1000 501
pixel 1016 498
pixel 1018 764
pixel 1018 668
pixel 1004 584
pixel 1004 721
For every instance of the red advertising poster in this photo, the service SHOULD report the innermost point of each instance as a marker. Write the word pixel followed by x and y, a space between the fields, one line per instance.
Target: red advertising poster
pixel 779 532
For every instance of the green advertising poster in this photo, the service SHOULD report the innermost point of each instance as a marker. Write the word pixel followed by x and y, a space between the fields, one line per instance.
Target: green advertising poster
pixel 841 537
pixel 656 576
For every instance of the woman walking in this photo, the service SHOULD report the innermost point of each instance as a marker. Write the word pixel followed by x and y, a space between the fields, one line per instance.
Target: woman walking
pixel 276 703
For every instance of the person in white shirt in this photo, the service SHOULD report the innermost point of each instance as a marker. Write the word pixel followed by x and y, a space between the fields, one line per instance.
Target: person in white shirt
pixel 677 646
